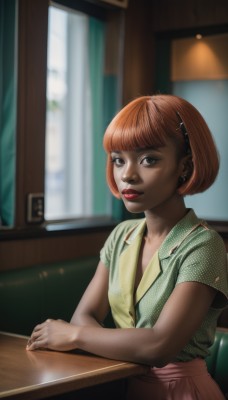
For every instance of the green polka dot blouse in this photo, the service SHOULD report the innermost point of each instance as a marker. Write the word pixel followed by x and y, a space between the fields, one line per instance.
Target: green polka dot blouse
pixel 192 251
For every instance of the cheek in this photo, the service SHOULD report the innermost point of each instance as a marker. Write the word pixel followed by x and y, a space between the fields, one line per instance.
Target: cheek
pixel 162 180
pixel 116 176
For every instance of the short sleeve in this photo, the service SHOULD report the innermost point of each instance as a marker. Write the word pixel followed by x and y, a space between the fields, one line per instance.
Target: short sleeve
pixel 115 242
pixel 107 249
pixel 112 242
pixel 206 262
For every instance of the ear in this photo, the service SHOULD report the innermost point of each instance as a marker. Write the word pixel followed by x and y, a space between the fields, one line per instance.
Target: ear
pixel 186 167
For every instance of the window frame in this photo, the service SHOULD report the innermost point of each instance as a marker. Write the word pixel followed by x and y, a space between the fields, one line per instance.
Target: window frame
pixel 31 123
pixel 31 111
pixel 26 244
pixel 31 101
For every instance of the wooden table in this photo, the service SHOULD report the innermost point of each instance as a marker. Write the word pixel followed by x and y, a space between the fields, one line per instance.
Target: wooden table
pixel 41 374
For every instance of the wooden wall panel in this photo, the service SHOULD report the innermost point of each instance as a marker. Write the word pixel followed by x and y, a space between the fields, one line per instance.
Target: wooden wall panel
pixel 32 66
pixel 139 51
pixel 29 252
pixel 205 59
pixel 187 14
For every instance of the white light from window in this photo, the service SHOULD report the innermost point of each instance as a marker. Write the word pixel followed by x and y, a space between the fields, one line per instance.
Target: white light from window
pixel 69 160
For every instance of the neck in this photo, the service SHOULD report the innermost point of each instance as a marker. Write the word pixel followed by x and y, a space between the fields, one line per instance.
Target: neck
pixel 160 222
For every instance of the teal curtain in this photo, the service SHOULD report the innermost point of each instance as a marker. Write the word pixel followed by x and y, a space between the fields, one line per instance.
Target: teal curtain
pixel 7 111
pixel 104 107
pixel 96 57
pixel 104 89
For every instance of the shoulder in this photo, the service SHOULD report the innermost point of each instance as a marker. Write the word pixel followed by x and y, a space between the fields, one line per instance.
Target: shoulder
pixel 203 259
pixel 206 239
pixel 195 233
pixel 117 238
pixel 191 235
pixel 203 246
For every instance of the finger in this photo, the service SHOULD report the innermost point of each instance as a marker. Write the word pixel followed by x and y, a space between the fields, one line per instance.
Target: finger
pixel 33 345
pixel 40 326
pixel 35 334
pixel 29 343
pixel 34 337
pixel 38 343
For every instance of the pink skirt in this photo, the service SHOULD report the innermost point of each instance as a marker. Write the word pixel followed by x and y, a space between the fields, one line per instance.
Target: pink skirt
pixel 176 381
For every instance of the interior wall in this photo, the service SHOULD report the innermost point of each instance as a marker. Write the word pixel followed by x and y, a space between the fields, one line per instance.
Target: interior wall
pixel 199 72
pixel 139 51
pixel 203 59
pixel 24 253
pixel 188 14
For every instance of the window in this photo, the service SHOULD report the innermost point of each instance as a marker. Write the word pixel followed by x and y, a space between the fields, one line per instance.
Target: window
pixel 82 97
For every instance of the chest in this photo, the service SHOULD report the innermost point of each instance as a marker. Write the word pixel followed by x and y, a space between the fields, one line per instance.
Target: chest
pixel 147 250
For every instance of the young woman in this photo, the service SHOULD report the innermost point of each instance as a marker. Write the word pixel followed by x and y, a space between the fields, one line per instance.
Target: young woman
pixel 164 276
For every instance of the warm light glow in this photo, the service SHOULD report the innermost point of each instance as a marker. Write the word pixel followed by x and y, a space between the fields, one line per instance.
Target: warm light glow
pixel 199 36
pixel 200 59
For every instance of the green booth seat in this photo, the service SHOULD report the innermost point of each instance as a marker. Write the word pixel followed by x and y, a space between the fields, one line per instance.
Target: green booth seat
pixel 29 296
pixel 217 361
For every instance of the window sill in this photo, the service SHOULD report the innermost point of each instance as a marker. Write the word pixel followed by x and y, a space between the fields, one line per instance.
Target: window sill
pixel 56 229
pixel 79 226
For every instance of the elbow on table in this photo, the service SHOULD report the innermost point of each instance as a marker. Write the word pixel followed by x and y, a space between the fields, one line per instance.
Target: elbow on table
pixel 159 355
pixel 160 360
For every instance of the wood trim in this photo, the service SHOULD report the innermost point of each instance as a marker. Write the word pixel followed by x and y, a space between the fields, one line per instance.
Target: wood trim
pixel 139 51
pixel 192 14
pixel 32 67
pixel 27 253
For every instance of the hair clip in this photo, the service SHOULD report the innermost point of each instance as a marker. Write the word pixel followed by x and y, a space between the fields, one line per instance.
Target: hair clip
pixel 185 134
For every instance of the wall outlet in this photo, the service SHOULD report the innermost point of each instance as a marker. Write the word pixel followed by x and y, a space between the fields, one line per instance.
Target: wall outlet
pixel 35 208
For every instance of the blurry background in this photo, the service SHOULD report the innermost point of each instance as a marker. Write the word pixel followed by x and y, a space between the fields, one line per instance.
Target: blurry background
pixel 67 67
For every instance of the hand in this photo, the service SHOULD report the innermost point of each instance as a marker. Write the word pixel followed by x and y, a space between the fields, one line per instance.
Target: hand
pixel 54 335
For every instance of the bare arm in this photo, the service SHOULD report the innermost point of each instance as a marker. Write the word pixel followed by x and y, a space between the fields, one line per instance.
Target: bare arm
pixel 94 305
pixel 179 319
pixel 181 316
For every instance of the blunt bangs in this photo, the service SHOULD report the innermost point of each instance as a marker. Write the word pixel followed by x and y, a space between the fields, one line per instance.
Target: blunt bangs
pixel 148 122
pixel 135 126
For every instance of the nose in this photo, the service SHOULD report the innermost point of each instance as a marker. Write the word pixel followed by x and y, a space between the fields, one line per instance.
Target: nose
pixel 129 174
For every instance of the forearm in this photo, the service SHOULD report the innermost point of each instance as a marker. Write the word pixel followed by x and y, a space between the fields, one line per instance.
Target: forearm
pixel 85 320
pixel 139 345
pixel 154 346
pixel 132 344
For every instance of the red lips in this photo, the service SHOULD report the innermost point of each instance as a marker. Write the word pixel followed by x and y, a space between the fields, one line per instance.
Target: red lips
pixel 130 194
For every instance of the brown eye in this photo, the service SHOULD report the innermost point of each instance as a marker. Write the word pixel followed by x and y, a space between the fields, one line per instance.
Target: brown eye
pixel 148 161
pixel 117 161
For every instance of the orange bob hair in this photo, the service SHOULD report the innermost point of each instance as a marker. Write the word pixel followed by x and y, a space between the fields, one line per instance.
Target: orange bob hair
pixel 148 121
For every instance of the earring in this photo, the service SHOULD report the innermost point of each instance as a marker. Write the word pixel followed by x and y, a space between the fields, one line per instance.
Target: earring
pixel 182 179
